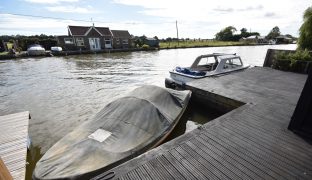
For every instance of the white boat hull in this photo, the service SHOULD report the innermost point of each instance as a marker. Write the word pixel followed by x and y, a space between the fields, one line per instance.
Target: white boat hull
pixel 180 80
pixel 36 51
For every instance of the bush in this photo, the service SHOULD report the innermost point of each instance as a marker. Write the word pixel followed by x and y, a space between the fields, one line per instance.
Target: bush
pixel 296 62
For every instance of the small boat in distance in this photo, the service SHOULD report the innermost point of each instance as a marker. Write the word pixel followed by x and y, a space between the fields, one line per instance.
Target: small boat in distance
pixel 56 49
pixel 205 66
pixel 35 50
pixel 123 129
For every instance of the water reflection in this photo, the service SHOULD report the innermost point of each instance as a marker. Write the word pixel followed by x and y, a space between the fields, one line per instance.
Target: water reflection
pixel 194 116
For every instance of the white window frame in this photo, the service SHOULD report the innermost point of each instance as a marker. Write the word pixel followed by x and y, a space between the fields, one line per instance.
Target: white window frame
pixel 125 41
pixel 80 41
pixel 107 40
pixel 68 41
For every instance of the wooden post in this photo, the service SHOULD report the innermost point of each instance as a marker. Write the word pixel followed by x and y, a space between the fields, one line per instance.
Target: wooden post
pixel 177 31
pixel 4 172
pixel 268 58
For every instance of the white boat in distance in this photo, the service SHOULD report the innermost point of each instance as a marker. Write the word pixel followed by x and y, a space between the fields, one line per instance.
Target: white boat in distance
pixel 205 66
pixel 35 50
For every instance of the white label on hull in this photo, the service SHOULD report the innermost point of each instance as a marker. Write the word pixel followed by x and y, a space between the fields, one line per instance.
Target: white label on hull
pixel 100 135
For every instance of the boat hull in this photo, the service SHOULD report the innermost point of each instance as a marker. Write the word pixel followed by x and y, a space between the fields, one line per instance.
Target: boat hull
pixel 179 80
pixel 36 51
pixel 123 129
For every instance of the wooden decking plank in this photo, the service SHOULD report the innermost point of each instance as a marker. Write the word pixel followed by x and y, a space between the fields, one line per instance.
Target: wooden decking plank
pixel 268 131
pixel 219 165
pixel 160 169
pixel 13 142
pixel 187 164
pixel 195 162
pixel 217 173
pixel 245 166
pixel 171 169
pixel 133 175
pixel 271 122
pixel 182 169
pixel 154 172
pixel 142 173
pixel 222 158
pixel 265 153
pixel 125 177
pixel 270 168
pixel 267 142
pixel 282 139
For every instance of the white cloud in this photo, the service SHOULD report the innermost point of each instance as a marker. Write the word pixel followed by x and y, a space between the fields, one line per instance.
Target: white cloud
pixel 50 1
pixel 261 16
pixel 11 25
pixel 71 9
pixel 196 18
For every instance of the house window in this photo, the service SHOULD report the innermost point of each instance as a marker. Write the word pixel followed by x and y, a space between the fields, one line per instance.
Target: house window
pixel 80 41
pixel 107 41
pixel 117 41
pixel 68 41
pixel 125 41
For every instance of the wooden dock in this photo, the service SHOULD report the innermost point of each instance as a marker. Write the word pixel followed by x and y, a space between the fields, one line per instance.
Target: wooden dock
pixel 13 143
pixel 249 142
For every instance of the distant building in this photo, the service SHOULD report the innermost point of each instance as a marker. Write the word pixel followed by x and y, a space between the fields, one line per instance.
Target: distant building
pixel 93 38
pixel 282 39
pixel 121 39
pixel 152 42
pixel 255 39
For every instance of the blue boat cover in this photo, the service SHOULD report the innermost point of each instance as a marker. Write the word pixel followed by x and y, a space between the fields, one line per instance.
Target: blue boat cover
pixel 190 72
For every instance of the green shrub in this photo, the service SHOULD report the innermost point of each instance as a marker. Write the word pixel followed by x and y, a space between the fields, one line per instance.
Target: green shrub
pixel 300 55
pixel 281 64
pixel 294 61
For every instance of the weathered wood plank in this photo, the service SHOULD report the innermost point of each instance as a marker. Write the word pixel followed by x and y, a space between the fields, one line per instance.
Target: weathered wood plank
pixel 13 142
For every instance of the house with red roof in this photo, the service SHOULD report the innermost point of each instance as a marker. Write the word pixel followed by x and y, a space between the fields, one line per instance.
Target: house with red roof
pixel 93 38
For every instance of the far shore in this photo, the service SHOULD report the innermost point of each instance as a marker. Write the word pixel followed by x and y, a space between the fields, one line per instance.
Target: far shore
pixel 163 46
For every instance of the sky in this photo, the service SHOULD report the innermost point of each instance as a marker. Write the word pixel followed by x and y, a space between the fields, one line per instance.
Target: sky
pixel 195 18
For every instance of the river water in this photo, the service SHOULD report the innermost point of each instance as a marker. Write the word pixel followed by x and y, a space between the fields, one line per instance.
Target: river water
pixel 63 92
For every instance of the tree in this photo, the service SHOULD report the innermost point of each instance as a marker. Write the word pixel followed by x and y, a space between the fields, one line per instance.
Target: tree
pixel 305 31
pixel 244 32
pixel 274 33
pixel 226 34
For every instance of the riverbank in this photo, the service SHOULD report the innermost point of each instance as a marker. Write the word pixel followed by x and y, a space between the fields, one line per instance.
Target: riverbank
pixel 201 43
pixel 163 45
pixel 24 54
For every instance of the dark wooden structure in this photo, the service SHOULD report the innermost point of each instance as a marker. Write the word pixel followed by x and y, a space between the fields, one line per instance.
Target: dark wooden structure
pixel 301 121
pixel 121 39
pixel 249 142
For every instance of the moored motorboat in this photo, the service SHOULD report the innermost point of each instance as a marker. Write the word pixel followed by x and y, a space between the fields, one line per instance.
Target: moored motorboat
pixel 123 129
pixel 35 50
pixel 205 66
pixel 56 49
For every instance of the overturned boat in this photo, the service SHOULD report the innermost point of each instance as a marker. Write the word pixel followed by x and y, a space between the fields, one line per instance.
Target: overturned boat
pixel 122 130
